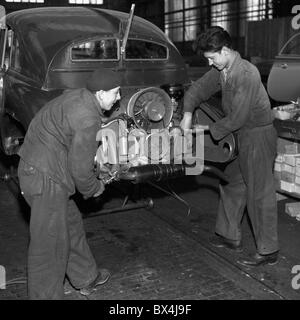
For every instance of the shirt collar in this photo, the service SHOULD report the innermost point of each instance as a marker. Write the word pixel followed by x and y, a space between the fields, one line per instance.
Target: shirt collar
pixel 97 104
pixel 235 62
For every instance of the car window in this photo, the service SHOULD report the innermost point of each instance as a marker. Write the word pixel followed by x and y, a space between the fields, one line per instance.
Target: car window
pixel 15 54
pixel 141 50
pixel 292 47
pixel 104 49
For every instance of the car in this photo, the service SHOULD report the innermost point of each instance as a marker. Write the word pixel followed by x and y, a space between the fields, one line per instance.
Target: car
pixel 47 50
pixel 284 79
pixel 56 48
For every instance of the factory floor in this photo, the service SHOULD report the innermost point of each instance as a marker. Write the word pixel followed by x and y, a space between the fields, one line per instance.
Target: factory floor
pixel 159 253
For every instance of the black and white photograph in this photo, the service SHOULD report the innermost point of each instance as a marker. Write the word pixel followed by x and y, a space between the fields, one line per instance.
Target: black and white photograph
pixel 149 153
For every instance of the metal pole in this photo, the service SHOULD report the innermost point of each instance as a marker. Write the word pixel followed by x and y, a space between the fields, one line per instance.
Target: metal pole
pixel 183 25
pixel 141 204
pixel 127 29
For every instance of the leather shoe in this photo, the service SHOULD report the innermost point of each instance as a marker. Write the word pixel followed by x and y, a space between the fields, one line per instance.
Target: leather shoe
pixel 260 260
pixel 102 277
pixel 221 242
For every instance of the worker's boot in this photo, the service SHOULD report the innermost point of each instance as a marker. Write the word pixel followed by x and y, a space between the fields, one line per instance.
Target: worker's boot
pixel 102 277
pixel 221 242
pixel 260 260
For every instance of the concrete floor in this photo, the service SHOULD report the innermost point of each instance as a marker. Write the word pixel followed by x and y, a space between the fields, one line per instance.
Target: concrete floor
pixel 159 253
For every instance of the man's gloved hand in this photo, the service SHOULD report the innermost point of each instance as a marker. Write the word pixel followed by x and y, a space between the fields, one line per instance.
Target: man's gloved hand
pixel 101 189
pixel 107 172
pixel 186 122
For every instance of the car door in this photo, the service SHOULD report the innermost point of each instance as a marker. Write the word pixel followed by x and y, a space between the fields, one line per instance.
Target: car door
pixel 3 43
pixel 284 79
pixel 4 61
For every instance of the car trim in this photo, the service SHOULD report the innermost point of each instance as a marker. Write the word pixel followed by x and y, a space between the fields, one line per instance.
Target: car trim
pixel 288 56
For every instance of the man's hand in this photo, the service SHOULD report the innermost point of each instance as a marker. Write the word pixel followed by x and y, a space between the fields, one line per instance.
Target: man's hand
pixel 186 122
pixel 101 189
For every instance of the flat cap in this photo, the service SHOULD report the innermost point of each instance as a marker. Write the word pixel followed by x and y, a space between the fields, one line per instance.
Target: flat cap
pixel 103 79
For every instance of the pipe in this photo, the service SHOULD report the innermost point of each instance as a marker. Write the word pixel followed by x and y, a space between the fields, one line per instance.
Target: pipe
pixel 124 40
pixel 158 172
pixel 141 204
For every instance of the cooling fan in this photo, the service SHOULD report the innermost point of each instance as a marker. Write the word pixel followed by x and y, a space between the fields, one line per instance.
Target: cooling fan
pixel 150 108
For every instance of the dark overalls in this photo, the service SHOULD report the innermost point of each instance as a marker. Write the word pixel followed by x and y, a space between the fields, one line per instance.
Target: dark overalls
pixel 251 183
pixel 57 156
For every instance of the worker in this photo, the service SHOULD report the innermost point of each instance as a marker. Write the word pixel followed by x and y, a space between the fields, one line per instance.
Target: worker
pixel 247 114
pixel 56 158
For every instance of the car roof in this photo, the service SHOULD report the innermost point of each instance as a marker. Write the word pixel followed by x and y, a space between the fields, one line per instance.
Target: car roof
pixel 42 32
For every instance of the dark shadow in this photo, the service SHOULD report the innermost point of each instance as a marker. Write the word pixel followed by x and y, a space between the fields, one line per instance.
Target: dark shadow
pixel 8 174
pixel 114 196
pixel 24 208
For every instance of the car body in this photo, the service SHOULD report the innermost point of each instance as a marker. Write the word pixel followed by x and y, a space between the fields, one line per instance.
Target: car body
pixel 284 78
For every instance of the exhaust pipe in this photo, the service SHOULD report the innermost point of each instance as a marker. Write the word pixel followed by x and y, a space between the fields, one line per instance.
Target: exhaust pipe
pixel 159 172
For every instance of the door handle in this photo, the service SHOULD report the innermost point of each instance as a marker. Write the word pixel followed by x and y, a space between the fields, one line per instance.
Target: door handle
pixel 284 65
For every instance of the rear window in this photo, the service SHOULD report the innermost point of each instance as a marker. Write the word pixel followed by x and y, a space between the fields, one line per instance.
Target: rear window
pixel 104 49
pixel 292 47
pixel 145 50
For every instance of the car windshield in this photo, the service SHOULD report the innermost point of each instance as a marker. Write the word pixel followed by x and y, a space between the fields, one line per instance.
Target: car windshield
pixel 292 47
pixel 104 49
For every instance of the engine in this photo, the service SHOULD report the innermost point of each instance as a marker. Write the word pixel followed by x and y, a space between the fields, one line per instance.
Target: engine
pixel 143 140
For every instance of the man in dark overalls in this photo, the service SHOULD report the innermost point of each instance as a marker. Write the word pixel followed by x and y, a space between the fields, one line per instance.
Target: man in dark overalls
pixel 248 114
pixel 58 156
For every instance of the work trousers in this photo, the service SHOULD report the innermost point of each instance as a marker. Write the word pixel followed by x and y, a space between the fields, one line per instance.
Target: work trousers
pixel 58 245
pixel 251 185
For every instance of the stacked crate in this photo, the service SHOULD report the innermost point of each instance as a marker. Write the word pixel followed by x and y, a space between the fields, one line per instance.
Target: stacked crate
pixel 297 175
pixel 287 166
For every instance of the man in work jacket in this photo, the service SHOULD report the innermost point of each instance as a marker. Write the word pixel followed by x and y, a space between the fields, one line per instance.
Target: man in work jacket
pixel 57 157
pixel 248 114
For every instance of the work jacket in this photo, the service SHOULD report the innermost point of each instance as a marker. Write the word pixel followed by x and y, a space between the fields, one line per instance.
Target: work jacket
pixel 245 101
pixel 61 141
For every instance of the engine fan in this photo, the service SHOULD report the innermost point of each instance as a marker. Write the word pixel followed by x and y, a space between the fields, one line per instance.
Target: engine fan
pixel 150 108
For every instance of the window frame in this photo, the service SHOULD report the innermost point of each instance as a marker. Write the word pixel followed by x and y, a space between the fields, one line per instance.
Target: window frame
pixel 10 33
pixel 13 53
pixel 118 51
